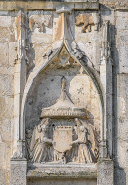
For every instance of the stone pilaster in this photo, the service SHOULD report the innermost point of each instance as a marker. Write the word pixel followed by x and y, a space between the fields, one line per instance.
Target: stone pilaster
pixel 106 81
pixel 105 165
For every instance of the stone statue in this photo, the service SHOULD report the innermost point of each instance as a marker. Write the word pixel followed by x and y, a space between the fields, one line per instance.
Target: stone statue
pixel 40 144
pixel 84 155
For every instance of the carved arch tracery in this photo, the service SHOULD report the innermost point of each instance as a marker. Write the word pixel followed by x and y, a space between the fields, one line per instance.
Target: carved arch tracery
pixel 89 71
pixel 73 51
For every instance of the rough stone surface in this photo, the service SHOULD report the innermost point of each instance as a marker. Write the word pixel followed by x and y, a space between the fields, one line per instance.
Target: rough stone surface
pixel 105 172
pixel 18 172
pixel 87 43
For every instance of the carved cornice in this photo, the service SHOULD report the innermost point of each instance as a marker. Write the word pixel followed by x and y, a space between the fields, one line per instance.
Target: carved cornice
pixel 46 5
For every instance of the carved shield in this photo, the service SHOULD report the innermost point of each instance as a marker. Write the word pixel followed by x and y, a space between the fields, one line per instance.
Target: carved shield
pixel 62 137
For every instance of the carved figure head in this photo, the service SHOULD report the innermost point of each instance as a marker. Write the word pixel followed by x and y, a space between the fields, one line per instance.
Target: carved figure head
pixel 83 129
pixel 46 20
pixel 79 19
pixel 44 128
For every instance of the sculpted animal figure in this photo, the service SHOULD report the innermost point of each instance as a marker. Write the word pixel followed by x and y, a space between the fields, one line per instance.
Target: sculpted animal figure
pixel 87 20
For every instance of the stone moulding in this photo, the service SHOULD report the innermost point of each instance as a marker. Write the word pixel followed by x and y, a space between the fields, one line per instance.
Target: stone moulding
pixel 63 113
pixel 121 5
pixel 62 171
pixel 41 5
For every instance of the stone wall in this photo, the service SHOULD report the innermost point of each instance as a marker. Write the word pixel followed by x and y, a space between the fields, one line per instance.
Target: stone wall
pixel 39 39
pixel 7 53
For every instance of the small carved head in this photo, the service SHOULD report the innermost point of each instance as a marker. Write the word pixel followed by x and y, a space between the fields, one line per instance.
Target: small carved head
pixel 79 19
pixel 44 128
pixel 83 129
pixel 46 20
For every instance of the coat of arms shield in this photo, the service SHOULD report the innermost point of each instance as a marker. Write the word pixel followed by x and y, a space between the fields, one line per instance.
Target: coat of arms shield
pixel 62 137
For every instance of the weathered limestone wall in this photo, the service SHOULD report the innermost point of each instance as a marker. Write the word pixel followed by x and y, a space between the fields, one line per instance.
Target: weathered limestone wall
pixel 38 42
pixel 7 52
pixel 120 96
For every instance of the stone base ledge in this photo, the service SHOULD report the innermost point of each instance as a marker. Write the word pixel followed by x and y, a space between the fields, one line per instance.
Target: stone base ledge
pixel 61 171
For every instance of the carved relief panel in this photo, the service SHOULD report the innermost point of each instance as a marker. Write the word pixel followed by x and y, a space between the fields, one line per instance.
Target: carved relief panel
pixel 63 108
pixel 87 20
pixel 66 133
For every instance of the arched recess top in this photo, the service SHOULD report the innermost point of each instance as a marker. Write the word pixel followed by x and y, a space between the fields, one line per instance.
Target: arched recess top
pixel 78 56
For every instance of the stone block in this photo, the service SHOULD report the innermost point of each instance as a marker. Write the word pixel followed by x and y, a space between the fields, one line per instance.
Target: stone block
pixel 5 21
pixel 123 55
pixel 122 37
pixel 2 154
pixel 6 107
pixel 5 35
pixel 18 172
pixel 41 38
pixel 62 182
pixel 4 176
pixel 7 130
pixel 17 83
pixel 123 14
pixel 70 174
pixel 4 54
pixel 105 172
pixel 122 23
pixel 6 82
pixel 12 53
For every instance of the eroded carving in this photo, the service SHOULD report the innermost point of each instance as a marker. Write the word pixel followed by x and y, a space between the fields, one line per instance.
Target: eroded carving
pixel 59 140
pixel 87 20
pixel 39 21
pixel 40 146
pixel 77 52
pixel 64 57
pixel 84 155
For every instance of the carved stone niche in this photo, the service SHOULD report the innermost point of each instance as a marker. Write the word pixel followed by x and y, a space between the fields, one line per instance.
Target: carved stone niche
pixel 64 135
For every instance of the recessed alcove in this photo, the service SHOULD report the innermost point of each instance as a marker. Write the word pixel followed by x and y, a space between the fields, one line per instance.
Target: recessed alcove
pixel 52 103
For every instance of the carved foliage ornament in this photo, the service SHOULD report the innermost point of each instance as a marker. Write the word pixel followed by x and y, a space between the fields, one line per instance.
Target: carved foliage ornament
pixel 63 141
